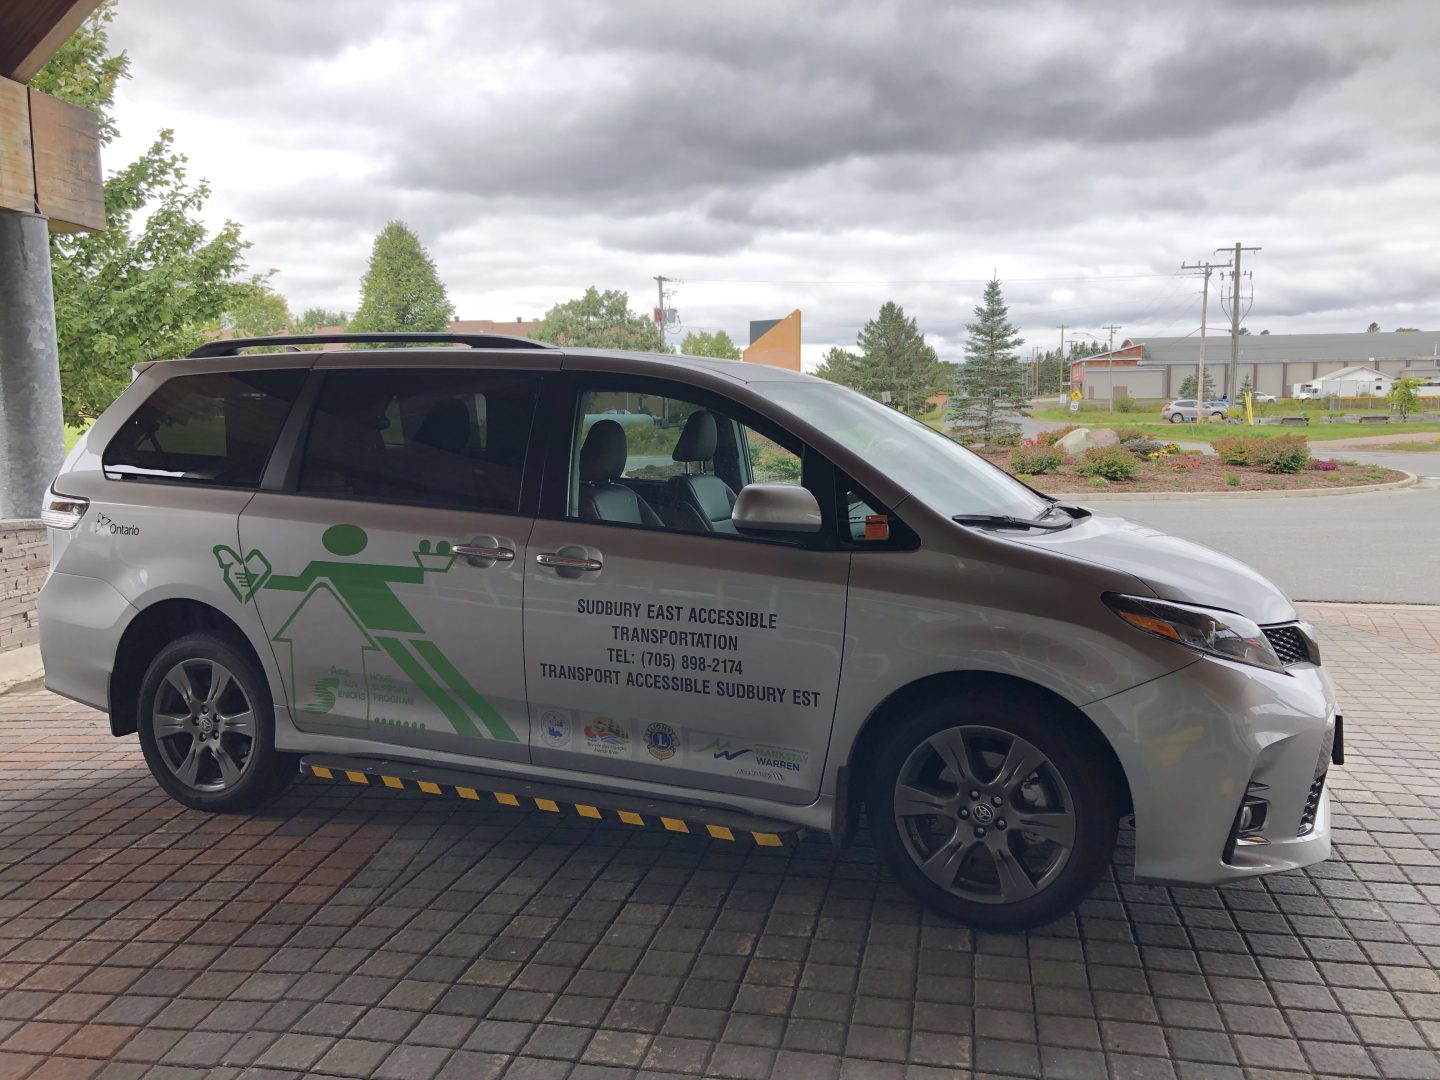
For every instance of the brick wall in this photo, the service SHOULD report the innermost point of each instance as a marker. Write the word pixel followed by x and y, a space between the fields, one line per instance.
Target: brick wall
pixel 24 558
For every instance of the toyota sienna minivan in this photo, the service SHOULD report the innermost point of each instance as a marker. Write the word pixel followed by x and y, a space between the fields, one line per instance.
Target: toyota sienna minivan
pixel 709 596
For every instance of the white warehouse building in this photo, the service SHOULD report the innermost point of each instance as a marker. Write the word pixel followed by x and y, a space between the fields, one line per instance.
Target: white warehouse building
pixel 1152 369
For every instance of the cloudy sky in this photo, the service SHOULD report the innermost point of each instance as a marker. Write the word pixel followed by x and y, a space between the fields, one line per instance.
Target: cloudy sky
pixel 825 156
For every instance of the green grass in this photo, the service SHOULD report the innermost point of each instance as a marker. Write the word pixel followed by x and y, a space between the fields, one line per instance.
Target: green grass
pixel 1149 422
pixel 72 436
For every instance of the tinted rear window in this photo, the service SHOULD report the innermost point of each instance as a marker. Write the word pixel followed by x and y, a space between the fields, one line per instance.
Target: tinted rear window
pixel 205 429
pixel 439 438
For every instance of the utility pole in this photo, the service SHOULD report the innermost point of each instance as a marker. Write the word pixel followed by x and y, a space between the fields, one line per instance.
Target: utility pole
pixel 1064 367
pixel 1110 364
pixel 660 301
pixel 1205 269
pixel 1230 382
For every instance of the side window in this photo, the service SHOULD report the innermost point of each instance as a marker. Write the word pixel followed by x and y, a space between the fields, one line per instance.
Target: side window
pixel 666 462
pixel 216 429
pixel 447 438
pixel 865 523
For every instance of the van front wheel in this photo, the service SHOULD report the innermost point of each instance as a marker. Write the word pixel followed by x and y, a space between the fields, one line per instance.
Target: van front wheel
pixel 207 726
pixel 996 813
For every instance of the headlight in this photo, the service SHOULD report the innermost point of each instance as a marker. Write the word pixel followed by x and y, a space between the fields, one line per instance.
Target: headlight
pixel 1206 630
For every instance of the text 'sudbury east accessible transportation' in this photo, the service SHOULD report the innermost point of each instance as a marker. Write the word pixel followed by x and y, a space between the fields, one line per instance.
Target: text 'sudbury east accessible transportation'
pixel 717 597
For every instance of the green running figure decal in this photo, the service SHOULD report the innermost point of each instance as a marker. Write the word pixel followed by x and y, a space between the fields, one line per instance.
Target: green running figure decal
pixel 380 622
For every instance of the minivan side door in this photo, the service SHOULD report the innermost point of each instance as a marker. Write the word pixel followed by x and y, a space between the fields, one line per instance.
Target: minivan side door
pixel 388 573
pixel 662 645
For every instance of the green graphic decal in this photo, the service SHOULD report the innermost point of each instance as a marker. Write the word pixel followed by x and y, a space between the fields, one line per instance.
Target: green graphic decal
pixel 374 618
pixel 246 576
pixel 324 696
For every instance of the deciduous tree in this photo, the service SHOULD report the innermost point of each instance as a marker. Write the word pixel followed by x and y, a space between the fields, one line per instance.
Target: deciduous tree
pixel 703 343
pixel 401 289
pixel 600 320
pixel 156 281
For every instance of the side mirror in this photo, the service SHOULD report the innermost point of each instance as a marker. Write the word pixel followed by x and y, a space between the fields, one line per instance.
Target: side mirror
pixel 776 508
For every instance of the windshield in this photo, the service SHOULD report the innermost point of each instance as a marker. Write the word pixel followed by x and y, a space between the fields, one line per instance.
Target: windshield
pixel 933 468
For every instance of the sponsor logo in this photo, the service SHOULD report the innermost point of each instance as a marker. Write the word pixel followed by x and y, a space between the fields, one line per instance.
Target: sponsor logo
pixel 723 748
pixel 555 729
pixel 748 760
pixel 604 735
pixel 324 693
pixel 661 741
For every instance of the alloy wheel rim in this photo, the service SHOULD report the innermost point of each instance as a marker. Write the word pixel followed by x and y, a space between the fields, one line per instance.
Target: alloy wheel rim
pixel 204 725
pixel 984 814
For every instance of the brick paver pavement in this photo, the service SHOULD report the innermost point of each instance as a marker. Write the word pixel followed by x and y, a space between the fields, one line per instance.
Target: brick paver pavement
pixel 358 933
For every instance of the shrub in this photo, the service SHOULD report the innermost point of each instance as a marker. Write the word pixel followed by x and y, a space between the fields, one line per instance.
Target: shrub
pixel 1099 482
pixel 1125 404
pixel 1111 463
pixel 1235 451
pixel 1054 435
pixel 1186 463
pixel 1143 447
pixel 1321 465
pixel 1129 434
pixel 1009 436
pixel 1232 480
pixel 1285 454
pixel 1036 462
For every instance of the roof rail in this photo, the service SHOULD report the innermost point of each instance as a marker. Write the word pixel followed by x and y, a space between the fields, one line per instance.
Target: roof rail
pixel 232 346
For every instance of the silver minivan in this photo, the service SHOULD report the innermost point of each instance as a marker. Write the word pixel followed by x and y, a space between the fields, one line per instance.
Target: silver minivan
pixel 698 595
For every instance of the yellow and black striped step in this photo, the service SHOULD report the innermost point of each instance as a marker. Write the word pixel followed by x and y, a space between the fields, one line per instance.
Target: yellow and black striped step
pixel 481 787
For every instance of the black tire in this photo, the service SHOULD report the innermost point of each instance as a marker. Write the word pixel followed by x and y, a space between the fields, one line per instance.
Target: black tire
pixel 177 732
pixel 1177 418
pixel 1076 781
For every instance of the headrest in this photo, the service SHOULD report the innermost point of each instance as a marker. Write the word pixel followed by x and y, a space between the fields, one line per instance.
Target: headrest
pixel 602 457
pixel 697 441
pixel 446 426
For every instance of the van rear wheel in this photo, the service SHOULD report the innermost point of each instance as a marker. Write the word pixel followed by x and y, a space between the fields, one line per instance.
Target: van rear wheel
pixel 207 725
pixel 997 813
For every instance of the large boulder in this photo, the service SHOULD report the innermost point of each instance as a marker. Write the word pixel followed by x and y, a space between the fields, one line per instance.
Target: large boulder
pixel 1082 439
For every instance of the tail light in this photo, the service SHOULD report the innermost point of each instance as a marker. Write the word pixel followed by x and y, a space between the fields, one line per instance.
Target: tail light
pixel 62 511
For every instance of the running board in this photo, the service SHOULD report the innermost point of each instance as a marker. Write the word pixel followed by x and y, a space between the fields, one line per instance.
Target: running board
pixel 593 803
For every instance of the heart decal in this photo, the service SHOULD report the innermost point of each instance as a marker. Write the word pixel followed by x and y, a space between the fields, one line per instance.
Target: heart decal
pixel 244 576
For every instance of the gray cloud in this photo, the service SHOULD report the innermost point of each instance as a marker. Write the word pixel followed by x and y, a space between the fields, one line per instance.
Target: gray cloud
pixel 888 143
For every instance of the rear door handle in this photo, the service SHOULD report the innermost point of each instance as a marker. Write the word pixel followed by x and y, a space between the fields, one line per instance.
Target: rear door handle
pixel 559 561
pixel 487 551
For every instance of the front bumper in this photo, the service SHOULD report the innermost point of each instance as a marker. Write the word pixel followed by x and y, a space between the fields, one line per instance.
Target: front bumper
pixel 1194 741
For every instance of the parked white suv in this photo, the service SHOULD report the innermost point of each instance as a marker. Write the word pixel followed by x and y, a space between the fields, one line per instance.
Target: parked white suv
pixel 450 569
pixel 1184 409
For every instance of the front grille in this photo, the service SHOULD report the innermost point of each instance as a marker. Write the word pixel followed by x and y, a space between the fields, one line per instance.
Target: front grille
pixel 1312 805
pixel 1290 644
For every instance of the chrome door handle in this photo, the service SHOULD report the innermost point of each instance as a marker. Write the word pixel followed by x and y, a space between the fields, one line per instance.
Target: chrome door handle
pixel 567 562
pixel 475 551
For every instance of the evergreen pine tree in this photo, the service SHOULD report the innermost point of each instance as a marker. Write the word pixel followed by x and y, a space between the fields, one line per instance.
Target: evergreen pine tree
pixel 991 393
pixel 401 290
pixel 893 359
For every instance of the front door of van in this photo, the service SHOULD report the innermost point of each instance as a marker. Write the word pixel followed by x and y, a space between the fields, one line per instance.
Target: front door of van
pixel 389 580
pixel 660 644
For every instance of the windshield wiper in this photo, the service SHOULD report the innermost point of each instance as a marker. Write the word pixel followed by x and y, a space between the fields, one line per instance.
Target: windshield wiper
pixel 1008 521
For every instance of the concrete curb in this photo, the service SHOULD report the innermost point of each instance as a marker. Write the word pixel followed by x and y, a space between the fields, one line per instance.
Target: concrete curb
pixel 1298 493
pixel 20 666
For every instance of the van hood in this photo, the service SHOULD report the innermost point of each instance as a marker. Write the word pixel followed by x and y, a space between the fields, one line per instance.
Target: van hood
pixel 1175 569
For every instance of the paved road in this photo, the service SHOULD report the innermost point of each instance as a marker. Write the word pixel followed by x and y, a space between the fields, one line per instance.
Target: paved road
pixel 1376 547
pixel 351 932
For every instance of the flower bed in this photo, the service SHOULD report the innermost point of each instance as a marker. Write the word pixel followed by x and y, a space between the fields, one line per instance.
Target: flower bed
pixel 1140 464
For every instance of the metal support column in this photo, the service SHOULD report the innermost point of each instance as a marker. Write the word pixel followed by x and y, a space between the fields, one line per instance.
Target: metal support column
pixel 32 430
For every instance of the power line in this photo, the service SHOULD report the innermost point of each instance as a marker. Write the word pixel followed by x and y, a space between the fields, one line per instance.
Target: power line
pixel 913 281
